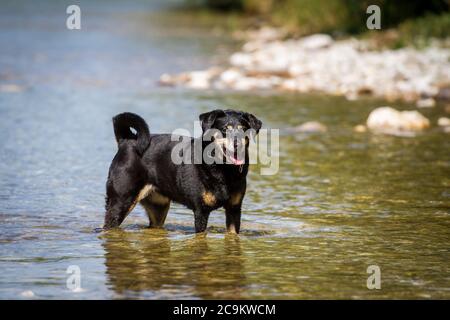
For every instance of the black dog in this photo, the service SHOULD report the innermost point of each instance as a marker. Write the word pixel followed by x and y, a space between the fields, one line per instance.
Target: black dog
pixel 143 170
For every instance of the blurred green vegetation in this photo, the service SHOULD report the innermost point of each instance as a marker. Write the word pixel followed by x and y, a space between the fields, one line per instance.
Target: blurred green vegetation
pixel 412 19
pixel 419 31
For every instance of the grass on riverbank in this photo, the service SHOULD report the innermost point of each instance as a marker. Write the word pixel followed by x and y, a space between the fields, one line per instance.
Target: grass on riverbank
pixel 403 22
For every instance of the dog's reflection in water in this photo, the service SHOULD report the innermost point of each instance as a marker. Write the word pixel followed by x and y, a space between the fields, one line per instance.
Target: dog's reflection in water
pixel 147 263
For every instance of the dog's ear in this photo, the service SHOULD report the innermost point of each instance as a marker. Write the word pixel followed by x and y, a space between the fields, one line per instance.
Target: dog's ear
pixel 254 122
pixel 208 118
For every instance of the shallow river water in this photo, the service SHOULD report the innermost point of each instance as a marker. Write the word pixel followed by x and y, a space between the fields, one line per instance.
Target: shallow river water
pixel 340 202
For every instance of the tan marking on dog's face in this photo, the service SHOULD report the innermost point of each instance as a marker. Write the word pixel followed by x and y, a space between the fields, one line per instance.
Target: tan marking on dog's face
pixel 236 198
pixel 208 198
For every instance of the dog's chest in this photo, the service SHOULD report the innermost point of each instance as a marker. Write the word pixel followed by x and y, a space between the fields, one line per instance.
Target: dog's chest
pixel 218 195
pixel 214 196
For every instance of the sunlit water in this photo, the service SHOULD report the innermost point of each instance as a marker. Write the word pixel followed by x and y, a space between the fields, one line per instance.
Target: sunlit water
pixel 340 202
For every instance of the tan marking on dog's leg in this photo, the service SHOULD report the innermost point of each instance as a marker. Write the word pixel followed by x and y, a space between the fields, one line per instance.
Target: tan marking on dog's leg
pixel 156 212
pixel 156 206
pixel 231 228
pixel 131 208
pixel 159 199
pixel 208 198
pixel 162 215
pixel 157 217
pixel 236 198
pixel 145 191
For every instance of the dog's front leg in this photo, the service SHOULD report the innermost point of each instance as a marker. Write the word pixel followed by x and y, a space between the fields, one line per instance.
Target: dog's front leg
pixel 201 220
pixel 233 218
pixel 233 211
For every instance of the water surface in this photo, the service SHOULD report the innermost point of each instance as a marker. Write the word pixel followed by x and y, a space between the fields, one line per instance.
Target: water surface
pixel 340 202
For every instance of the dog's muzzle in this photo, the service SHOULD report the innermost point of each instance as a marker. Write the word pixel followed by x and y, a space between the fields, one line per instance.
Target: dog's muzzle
pixel 233 148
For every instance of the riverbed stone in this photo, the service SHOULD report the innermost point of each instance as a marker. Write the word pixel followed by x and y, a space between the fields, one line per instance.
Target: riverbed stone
pixel 27 294
pixel 316 41
pixel 426 103
pixel 198 80
pixel 11 88
pixel 310 126
pixel 391 121
pixel 360 128
pixel 443 122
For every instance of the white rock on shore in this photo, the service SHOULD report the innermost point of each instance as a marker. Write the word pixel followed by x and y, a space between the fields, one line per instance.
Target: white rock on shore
pixel 426 103
pixel 318 63
pixel 444 123
pixel 390 121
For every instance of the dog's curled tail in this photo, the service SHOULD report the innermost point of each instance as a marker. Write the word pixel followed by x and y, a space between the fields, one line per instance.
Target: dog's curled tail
pixel 122 124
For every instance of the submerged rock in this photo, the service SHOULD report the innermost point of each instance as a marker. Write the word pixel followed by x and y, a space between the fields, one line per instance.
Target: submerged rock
pixel 201 79
pixel 443 122
pixel 172 80
pixel 391 121
pixel 310 126
pixel 27 294
pixel 360 128
pixel 11 88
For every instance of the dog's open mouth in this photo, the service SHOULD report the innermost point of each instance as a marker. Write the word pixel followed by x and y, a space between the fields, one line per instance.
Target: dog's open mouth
pixel 234 156
pixel 236 161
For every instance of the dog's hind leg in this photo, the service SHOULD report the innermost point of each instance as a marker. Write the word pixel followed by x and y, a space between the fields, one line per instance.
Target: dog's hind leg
pixel 156 206
pixel 119 206
pixel 126 184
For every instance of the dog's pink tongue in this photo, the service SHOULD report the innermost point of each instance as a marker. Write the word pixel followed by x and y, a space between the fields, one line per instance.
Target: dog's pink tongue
pixel 237 162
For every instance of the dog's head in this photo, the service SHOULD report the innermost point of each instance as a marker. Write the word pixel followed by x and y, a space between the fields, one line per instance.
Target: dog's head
pixel 230 130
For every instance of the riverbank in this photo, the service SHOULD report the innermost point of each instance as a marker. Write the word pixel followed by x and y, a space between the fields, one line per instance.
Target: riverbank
pixel 412 22
pixel 318 63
